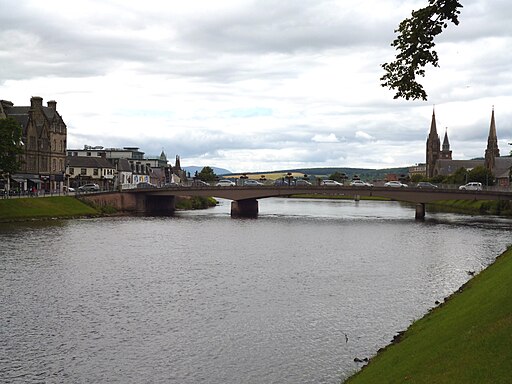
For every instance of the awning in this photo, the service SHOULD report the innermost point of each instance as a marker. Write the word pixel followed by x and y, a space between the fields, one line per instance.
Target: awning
pixel 37 181
pixel 18 179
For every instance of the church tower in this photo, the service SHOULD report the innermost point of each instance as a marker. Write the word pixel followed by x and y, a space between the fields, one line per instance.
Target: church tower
pixel 433 147
pixel 492 150
pixel 446 153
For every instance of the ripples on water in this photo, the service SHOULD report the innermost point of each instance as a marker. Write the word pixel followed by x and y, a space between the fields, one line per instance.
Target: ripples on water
pixel 201 297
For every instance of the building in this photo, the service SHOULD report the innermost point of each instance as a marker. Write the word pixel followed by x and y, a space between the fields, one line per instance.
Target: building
pixel 131 167
pixel 440 163
pixel 44 134
pixel 87 170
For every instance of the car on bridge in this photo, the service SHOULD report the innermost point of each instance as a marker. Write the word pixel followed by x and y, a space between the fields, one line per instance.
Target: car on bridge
pixel 360 183
pixel 200 183
pixel 225 183
pixel 252 183
pixel 302 183
pixel 331 183
pixel 89 188
pixel 395 184
pixel 426 185
pixel 473 186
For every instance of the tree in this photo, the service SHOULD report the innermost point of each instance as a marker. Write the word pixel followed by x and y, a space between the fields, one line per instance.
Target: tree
pixel 481 174
pixel 10 145
pixel 460 176
pixel 415 43
pixel 337 176
pixel 207 174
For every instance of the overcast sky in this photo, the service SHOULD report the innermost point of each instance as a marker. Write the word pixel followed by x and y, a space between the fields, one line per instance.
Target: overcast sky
pixel 256 85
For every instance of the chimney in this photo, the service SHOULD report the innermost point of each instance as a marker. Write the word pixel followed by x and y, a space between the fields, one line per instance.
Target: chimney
pixel 52 104
pixel 36 102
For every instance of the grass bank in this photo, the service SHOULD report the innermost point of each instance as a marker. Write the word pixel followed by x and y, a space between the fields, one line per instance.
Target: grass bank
pixel 43 207
pixel 466 340
pixel 195 202
pixel 477 207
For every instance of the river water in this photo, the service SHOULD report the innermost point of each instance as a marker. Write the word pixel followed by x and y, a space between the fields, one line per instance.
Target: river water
pixel 291 297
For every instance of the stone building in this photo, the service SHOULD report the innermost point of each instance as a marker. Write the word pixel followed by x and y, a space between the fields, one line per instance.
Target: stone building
pixel 440 162
pixel 44 134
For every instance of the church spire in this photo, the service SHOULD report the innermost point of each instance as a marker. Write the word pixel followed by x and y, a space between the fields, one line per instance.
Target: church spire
pixel 492 150
pixel 433 146
pixel 446 153
pixel 433 127
pixel 446 143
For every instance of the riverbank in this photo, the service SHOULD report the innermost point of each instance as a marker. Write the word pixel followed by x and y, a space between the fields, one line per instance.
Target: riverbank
pixel 464 340
pixel 44 208
pixel 472 207
pixel 68 206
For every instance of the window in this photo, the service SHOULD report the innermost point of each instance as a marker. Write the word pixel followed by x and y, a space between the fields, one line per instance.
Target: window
pixel 83 171
pixel 71 171
pixel 95 171
pixel 54 165
pixel 88 153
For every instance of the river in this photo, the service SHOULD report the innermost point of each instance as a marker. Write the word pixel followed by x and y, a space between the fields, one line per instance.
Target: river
pixel 291 297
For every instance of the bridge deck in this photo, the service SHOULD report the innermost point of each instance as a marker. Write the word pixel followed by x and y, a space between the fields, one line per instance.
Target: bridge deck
pixel 413 195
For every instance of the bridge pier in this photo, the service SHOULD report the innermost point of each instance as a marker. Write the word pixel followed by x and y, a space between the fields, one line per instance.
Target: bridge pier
pixel 420 211
pixel 244 208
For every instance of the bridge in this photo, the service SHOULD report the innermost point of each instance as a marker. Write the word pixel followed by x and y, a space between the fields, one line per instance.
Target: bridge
pixel 244 199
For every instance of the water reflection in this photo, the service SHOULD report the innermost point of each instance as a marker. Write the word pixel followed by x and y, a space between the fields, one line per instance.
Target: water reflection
pixel 201 297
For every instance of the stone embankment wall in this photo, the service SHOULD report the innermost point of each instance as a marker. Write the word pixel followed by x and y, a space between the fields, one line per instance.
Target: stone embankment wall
pixel 125 202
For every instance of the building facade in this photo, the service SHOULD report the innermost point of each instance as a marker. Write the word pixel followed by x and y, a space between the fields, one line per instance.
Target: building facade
pixel 130 165
pixel 440 162
pixel 44 134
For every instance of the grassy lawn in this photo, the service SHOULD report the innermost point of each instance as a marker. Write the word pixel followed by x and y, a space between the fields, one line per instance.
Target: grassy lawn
pixel 468 339
pixel 41 207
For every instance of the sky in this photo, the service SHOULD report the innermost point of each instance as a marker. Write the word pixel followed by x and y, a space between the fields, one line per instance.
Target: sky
pixel 256 85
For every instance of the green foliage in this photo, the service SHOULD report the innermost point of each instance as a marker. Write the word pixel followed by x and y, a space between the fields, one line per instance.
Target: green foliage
pixel 416 178
pixel 481 174
pixel 460 176
pixel 10 145
pixel 415 43
pixel 338 176
pixel 437 179
pixel 195 202
pixel 207 174
pixel 56 206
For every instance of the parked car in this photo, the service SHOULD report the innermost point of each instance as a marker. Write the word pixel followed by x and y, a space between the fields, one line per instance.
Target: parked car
pixel 225 183
pixel 89 188
pixel 252 183
pixel 360 183
pixel 395 184
pixel 473 186
pixel 302 183
pixel 200 183
pixel 426 185
pixel 68 189
pixel 281 183
pixel 331 183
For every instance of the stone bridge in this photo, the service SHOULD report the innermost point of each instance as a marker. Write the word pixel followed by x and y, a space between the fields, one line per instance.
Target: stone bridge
pixel 245 199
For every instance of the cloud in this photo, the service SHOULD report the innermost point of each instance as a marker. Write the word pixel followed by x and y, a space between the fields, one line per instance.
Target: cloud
pixel 330 138
pixel 253 85
pixel 363 135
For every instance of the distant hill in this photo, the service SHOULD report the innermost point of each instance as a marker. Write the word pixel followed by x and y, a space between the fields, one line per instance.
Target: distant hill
pixel 363 173
pixel 217 171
